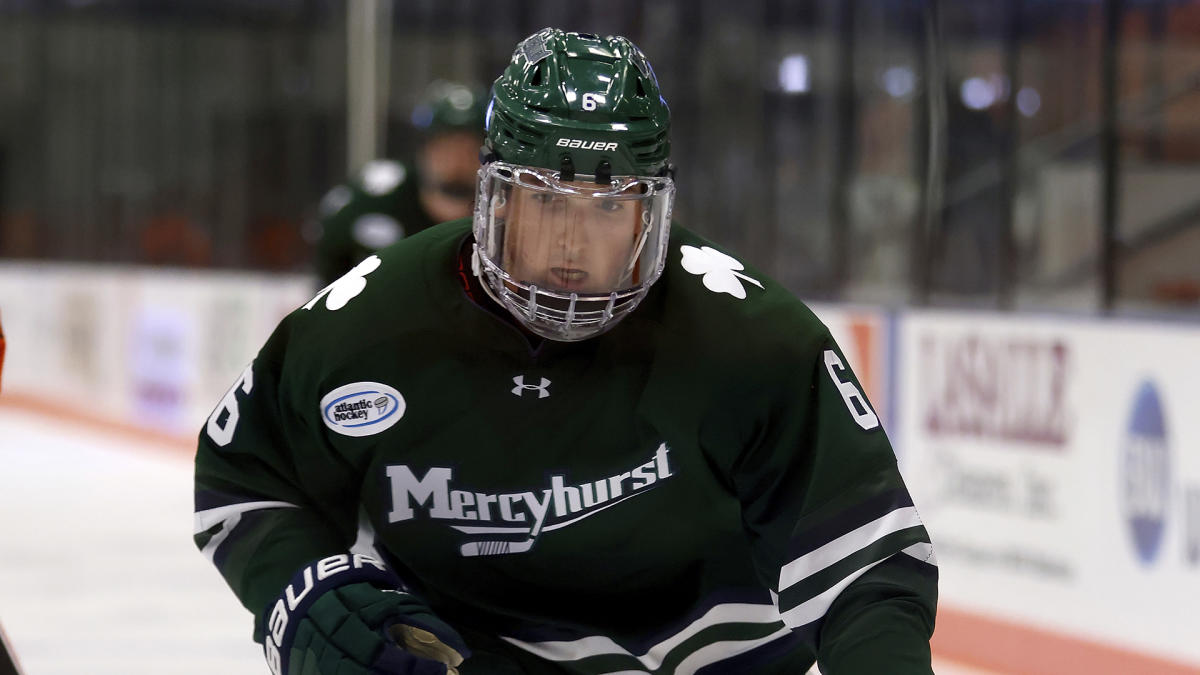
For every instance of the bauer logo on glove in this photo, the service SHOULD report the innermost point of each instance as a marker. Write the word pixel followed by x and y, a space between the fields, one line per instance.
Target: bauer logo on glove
pixel 345 614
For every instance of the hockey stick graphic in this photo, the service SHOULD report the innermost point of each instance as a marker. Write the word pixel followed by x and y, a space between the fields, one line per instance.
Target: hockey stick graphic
pixel 493 547
pixel 477 548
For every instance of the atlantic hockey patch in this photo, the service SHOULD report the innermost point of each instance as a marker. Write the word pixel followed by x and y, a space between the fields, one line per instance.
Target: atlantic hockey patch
pixel 362 408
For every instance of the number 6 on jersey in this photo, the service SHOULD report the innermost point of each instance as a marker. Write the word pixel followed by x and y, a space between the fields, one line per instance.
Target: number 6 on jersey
pixel 855 401
pixel 222 434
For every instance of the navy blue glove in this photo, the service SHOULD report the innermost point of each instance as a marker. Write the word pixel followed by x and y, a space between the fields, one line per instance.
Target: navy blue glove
pixel 335 619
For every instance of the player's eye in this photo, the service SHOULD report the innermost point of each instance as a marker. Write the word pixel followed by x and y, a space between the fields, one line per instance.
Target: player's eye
pixel 610 206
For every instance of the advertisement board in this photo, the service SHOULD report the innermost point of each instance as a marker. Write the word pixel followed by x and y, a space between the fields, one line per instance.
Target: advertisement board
pixel 1056 464
pixel 150 348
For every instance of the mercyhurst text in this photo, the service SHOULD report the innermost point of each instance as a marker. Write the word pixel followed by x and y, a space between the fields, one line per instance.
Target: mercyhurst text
pixel 531 509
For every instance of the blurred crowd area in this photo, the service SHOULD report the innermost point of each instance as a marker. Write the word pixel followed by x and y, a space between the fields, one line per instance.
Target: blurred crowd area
pixel 1030 154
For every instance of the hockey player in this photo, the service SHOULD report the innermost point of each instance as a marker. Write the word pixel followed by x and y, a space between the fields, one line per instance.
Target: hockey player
pixel 389 199
pixel 8 657
pixel 564 436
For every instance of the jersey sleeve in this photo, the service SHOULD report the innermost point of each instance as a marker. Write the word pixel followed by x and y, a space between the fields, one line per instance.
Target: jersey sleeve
pixel 266 494
pixel 834 532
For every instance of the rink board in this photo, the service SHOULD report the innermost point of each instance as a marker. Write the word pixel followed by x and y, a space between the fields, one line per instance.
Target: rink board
pixel 155 348
pixel 1057 465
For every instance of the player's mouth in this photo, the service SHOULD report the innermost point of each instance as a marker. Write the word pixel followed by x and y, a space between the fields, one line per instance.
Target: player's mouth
pixel 569 278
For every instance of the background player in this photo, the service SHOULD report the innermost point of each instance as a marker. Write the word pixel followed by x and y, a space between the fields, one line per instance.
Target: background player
pixel 390 199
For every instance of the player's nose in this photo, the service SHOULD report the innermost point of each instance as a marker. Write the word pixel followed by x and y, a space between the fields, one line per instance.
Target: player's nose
pixel 572 236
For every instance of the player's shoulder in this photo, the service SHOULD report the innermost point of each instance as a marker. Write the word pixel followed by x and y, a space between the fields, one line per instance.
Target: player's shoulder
pixel 385 297
pixel 378 181
pixel 720 303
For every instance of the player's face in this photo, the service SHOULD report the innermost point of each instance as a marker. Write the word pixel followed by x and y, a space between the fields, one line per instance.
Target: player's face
pixel 571 243
pixel 448 165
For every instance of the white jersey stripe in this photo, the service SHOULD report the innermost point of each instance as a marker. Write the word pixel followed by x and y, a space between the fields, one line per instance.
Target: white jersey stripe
pixel 922 551
pixel 364 540
pixel 594 645
pixel 228 517
pixel 814 608
pixel 598 645
pixel 207 518
pixel 846 545
pixel 719 651
pixel 227 525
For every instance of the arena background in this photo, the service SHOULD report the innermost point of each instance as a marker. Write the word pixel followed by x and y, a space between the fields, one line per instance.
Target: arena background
pixel 995 205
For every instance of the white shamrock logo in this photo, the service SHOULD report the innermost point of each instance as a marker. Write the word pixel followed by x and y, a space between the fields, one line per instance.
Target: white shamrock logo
pixel 719 270
pixel 343 290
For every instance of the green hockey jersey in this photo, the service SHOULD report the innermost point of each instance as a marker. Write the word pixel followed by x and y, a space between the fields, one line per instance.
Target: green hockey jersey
pixel 704 488
pixel 376 209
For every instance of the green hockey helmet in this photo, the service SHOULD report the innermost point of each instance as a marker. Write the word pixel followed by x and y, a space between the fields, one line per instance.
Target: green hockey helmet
pixel 579 97
pixel 449 106
pixel 572 210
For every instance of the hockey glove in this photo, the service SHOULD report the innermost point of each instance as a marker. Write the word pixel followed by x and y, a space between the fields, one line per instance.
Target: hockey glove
pixel 333 619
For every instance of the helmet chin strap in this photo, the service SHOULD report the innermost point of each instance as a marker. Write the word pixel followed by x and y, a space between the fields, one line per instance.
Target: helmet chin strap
pixel 477 270
pixel 637 251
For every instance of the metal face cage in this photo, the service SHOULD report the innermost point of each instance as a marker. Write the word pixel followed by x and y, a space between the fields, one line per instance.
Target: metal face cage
pixel 569 258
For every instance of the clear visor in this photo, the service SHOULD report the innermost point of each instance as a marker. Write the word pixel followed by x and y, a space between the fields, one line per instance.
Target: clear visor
pixel 572 238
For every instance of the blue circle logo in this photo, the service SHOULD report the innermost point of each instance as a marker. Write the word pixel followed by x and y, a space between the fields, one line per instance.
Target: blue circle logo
pixel 1146 472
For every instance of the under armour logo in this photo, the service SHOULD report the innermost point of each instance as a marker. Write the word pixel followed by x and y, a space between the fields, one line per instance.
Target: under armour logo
pixel 542 389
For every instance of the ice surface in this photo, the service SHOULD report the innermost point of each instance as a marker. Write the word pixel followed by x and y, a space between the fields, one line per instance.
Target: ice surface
pixel 98 573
